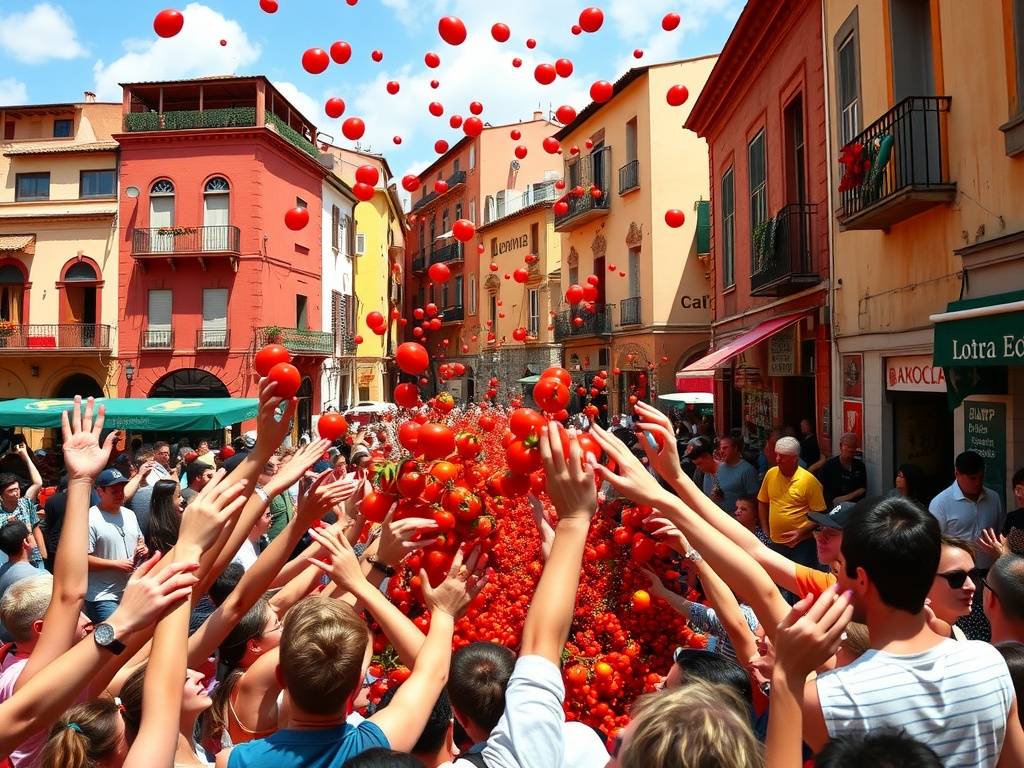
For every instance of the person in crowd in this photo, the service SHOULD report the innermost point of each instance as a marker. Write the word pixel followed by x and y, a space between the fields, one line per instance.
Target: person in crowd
pixel 1013 654
pixel 810 451
pixel 1004 598
pixel 952 592
pixel 17 506
pixel 435 747
pixel 886 749
pixel 282 510
pixel 789 492
pixel 255 543
pixel 1013 527
pixel 197 475
pixel 844 477
pixel 745 513
pixel 164 516
pixel 965 510
pixel 910 482
pixel 53 521
pixel 204 455
pixel 162 463
pixel 17 544
pixel 736 476
pixel 138 491
pixel 115 547
pixel 215 597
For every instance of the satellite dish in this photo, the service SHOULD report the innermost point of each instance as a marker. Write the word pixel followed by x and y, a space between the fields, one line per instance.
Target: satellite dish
pixel 132 192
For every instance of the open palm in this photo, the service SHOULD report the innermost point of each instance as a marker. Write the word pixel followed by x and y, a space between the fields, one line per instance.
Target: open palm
pixel 84 456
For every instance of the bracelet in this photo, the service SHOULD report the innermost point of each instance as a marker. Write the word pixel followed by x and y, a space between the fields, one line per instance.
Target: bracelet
pixel 261 493
pixel 693 556
pixel 387 570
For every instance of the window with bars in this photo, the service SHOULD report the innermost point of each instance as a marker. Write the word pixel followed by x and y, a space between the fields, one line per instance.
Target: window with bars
pixel 757 173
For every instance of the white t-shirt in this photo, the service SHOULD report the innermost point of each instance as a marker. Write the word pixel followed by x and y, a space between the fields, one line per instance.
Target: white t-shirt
pixel 112 536
pixel 246 555
pixel 954 698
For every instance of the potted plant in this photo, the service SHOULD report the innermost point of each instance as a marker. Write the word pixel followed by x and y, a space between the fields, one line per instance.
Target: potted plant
pixel 764 242
pixel 273 334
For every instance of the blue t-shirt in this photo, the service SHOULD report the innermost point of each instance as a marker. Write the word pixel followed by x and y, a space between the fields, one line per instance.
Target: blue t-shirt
pixel 328 748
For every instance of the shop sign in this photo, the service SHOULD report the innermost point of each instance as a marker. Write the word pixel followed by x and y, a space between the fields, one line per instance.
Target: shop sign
pixel 782 353
pixel 759 409
pixel 994 338
pixel 510 244
pixel 853 376
pixel 913 373
pixel 985 433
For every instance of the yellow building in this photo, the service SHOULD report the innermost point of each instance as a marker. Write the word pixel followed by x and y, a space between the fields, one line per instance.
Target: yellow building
pixel 930 91
pixel 377 266
pixel 58 249
pixel 628 161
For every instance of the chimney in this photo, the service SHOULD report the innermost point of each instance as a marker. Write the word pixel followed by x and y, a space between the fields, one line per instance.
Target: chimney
pixel 90 97
pixel 537 115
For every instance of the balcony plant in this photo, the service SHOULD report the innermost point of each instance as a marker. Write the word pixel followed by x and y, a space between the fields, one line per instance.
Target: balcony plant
pixel 864 166
pixel 273 334
pixel 764 241
pixel 7 328
pixel 176 231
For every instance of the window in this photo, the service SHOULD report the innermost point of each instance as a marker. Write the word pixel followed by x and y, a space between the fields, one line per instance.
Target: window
pixel 455 166
pixel 97 183
pixel 444 295
pixel 472 156
pixel 158 322
pixel 756 170
pixel 215 318
pixel 493 312
pixel 161 215
pixel 796 157
pixel 574 275
pixel 423 239
pixel 335 227
pixel 301 312
pixel 421 297
pixel 631 141
pixel 12 291
pixel 350 235
pixel 847 58
pixel 63 129
pixel 360 244
pixel 472 210
pixel 300 203
pixel 728 206
pixel 533 319
pixel 472 294
pixel 535 239
pixel 458 291
pixel 9 130
pixel 1018 47
pixel 32 186
pixel 364 392
pixel 444 222
pixel 337 315
pixel 216 214
pixel 458 211
pixel 494 246
pixel 82 272
pixel 633 273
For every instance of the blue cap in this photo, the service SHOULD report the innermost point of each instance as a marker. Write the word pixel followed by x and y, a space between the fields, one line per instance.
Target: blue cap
pixel 109 477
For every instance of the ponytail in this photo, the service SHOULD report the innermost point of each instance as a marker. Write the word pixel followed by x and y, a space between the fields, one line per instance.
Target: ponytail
pixel 83 736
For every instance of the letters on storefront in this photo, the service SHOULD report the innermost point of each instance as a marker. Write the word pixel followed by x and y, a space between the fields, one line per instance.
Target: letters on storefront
pixel 913 374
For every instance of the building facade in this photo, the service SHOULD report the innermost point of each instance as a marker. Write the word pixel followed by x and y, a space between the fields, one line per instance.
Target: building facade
pixel 58 249
pixel 928 243
pixel 763 114
pixel 209 271
pixel 336 291
pixel 626 164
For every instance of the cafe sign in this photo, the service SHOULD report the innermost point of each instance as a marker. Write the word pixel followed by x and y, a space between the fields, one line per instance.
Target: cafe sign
pixel 913 373
pixel 981 332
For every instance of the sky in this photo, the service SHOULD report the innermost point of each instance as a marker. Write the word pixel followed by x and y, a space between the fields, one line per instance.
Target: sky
pixel 52 51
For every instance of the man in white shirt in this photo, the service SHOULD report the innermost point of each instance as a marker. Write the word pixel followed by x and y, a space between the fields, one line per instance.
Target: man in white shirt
pixel 967 507
pixel 253 545
pixel 115 546
pixel 162 469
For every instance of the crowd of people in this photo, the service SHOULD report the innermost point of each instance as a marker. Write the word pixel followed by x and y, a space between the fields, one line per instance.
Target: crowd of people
pixel 217 609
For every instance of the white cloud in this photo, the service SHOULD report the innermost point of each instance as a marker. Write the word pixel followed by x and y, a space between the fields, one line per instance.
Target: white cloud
pixel 43 33
pixel 310 108
pixel 194 52
pixel 12 92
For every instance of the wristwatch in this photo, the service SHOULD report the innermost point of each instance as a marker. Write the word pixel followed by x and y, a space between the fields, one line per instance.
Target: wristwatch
pixel 387 570
pixel 103 636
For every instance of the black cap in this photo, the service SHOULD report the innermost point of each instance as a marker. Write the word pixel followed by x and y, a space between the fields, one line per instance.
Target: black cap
pixel 698 446
pixel 836 517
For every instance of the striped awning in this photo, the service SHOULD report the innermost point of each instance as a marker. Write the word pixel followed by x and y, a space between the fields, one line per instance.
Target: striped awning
pixel 25 243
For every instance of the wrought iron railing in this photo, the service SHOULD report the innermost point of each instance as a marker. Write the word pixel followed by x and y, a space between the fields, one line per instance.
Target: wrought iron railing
pixel 580 322
pixel 446 253
pixel 458 177
pixel 629 176
pixel 500 207
pixel 213 338
pixel 60 336
pixel 453 314
pixel 905 148
pixel 163 241
pixel 629 311
pixel 785 249
pixel 346 344
pixel 158 339
pixel 298 341
pixel 588 174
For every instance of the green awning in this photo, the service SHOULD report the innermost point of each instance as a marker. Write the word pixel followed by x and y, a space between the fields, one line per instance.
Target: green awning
pixel 529 379
pixel 988 331
pixel 156 414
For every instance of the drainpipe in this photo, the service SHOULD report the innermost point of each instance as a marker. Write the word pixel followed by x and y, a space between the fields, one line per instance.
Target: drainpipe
pixel 836 376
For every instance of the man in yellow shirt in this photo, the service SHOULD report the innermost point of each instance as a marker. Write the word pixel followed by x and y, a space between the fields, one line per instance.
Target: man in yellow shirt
pixel 788 493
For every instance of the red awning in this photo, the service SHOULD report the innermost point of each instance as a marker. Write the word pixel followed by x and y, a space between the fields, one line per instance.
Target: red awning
pixel 695 384
pixel 707 365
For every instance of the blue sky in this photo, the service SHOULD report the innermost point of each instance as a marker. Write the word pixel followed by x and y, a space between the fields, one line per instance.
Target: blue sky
pixel 53 51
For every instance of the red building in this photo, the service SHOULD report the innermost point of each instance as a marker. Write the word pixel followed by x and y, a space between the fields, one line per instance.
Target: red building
pixel 762 112
pixel 208 270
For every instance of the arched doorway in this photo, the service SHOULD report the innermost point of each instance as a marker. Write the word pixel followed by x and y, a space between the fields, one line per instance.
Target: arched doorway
pixel 189 382
pixel 78 384
pixel 304 409
pixel 12 292
pixel 79 303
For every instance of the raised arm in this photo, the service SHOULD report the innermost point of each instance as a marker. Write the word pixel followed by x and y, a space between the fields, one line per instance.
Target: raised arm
pixel 138 479
pixel 35 479
pixel 84 458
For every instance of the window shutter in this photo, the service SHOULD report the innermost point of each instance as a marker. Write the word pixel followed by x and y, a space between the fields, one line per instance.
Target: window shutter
pixel 159 310
pixel 703 226
pixel 360 244
pixel 215 309
pixel 335 225
pixel 350 235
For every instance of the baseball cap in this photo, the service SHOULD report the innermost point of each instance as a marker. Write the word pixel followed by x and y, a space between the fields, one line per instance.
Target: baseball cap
pixel 836 517
pixel 109 477
pixel 698 446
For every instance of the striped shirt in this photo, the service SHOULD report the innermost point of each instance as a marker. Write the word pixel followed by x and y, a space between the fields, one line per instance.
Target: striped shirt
pixel 954 698
pixel 704 619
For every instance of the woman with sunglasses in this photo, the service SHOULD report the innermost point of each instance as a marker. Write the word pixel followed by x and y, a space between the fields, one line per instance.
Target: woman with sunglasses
pixel 952 592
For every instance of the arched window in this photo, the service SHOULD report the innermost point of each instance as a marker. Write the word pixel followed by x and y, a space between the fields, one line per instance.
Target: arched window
pixel 161 215
pixel 80 272
pixel 12 292
pixel 216 214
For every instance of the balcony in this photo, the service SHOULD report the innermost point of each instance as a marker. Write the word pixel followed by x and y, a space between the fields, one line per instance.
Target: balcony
pixel 446 253
pixel 587 173
pixel 190 119
pixel 453 314
pixel 297 340
pixel 909 175
pixel 458 177
pixel 784 260
pixel 419 264
pixel 200 242
pixel 578 322
pixel 502 205
pixel 54 339
pixel 158 339
pixel 346 345
pixel 213 338
pixel 629 177
pixel 629 311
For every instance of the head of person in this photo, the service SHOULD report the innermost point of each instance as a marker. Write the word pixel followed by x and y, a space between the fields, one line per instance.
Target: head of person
pixel 203 448
pixel 125 465
pixel 360 456
pixel 855 643
pixel 110 485
pixel 969 469
pixel 16 541
pixel 269 470
pixel 889 556
pixel 879 749
pixel 698 723
pixel 1018 487
pixel 910 482
pixel 477 680
pixel 194 700
pixel 379 757
pixel 696 664
pixel 164 516
pixel 90 735
pixel 701 452
pixel 325 650
pixel 162 453
pixel 436 744
pixel 261 526
pixel 805 427
pixel 769 445
pixel 23 606
pixel 225 583
pixel 828 530
pixel 746 511
pixel 1013 654
pixel 730 448
pixel 952 592
pixel 787 454
pixel 847 447
pixel 10 489
pixel 1004 598
pixel 339 463
pixel 198 474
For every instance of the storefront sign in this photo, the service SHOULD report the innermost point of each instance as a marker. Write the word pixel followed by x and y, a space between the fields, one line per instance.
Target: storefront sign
pixel 510 244
pixel 782 353
pixel 696 302
pixel 913 373
pixel 853 419
pixel 964 338
pixel 985 433
pixel 853 376
pixel 759 409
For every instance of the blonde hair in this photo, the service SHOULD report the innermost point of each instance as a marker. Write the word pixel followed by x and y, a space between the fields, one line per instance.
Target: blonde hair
pixel 322 648
pixel 24 603
pixel 699 723
pixel 83 736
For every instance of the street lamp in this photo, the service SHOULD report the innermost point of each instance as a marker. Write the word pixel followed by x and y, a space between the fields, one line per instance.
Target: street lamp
pixel 129 372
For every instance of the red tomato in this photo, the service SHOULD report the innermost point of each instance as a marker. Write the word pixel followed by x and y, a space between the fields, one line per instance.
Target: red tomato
pixel 288 379
pixel 445 520
pixel 483 526
pixel 331 426
pixel 486 422
pixel 538 482
pixel 442 471
pixel 411 484
pixel 558 373
pixel 551 395
pixel 407 395
pixel 436 441
pixel 409 435
pixel 467 444
pixel 523 456
pixel 375 506
pixel 513 485
pixel 589 445
pixel 641 601
pixel 412 358
pixel 269 356
pixel 643 550
pixel 525 421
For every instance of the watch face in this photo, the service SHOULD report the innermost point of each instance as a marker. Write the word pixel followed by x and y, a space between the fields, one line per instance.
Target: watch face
pixel 103 634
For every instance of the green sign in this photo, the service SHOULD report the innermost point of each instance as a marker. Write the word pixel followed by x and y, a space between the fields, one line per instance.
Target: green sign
pixel 995 338
pixel 985 433
pixel 187 414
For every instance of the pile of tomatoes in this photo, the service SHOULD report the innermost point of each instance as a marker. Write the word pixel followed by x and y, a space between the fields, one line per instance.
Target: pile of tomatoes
pixel 471 474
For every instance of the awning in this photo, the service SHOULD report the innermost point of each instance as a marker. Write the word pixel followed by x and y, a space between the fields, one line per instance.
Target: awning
pixel 695 384
pixel 688 398
pixel 443 236
pixel 17 242
pixel 139 414
pixel 529 379
pixel 707 365
pixel 988 331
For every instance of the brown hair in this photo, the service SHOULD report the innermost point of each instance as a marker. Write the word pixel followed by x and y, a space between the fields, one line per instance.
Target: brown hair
pixel 84 735
pixel 958 543
pixel 322 650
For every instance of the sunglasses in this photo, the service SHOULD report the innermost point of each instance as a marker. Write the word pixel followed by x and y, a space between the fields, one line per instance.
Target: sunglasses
pixel 985 585
pixel 956 579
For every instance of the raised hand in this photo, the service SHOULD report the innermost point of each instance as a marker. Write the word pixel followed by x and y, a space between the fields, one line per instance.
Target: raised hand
pixel 148 595
pixel 341 563
pixel 271 427
pixel 397 538
pixel 289 473
pixel 547 533
pixel 204 519
pixel 658 589
pixel 460 587
pixel 993 544
pixel 323 496
pixel 651 421
pixel 633 480
pixel 812 632
pixel 670 532
pixel 84 457
pixel 570 483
